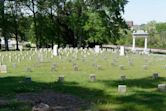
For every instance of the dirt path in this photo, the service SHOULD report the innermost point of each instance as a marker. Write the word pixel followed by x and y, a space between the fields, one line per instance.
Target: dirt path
pixel 57 101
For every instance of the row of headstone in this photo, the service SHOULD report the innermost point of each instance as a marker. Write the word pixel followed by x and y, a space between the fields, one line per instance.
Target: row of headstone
pixel 92 78
pixel 121 88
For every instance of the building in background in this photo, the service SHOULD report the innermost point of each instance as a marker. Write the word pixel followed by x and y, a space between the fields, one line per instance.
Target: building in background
pixel 130 24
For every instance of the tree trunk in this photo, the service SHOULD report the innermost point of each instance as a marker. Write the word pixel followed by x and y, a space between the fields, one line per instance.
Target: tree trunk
pixel 17 43
pixel 6 44
pixel 3 26
pixel 16 26
pixel 40 41
pixel 58 39
pixel 52 44
pixel 34 19
pixel 0 46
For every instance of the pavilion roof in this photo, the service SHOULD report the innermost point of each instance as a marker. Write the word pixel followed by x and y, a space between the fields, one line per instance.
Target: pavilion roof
pixel 140 33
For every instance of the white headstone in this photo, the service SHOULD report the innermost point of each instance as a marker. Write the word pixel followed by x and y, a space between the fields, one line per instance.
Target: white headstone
pixel 20 47
pixel 3 69
pixel 122 51
pixel 97 49
pixel 162 87
pixel 122 88
pixel 55 50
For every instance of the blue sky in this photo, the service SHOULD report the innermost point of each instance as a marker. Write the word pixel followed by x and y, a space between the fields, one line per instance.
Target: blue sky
pixel 143 11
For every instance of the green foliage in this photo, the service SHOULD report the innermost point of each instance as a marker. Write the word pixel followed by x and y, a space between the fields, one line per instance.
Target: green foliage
pixel 95 28
pixel 157 35
pixel 63 21
pixel 161 27
pixel 126 38
pixel 28 45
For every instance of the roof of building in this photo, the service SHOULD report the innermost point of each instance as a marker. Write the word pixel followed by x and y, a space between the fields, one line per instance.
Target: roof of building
pixel 140 33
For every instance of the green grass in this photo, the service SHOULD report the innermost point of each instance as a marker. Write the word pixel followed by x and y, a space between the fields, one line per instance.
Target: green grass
pixel 142 94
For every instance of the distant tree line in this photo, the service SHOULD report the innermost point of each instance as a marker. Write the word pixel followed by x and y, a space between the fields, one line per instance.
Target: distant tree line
pixel 75 22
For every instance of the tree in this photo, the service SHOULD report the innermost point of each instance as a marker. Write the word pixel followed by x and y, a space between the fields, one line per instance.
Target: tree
pixel 75 22
pixel 4 24
pixel 161 29
pixel 31 6
pixel 151 28
pixel 77 18
pixel 96 30
pixel 110 11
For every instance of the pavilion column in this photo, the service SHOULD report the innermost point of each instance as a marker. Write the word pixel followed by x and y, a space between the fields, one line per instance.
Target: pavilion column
pixel 146 44
pixel 133 43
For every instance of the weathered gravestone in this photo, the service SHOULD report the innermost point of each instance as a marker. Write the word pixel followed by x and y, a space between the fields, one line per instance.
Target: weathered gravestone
pixel 121 67
pixel 123 77
pixel 98 67
pixel 155 76
pixel 75 66
pixel 92 77
pixel 162 87
pixel 3 69
pixel 28 69
pixel 28 79
pixel 122 88
pixel 53 67
pixel 61 78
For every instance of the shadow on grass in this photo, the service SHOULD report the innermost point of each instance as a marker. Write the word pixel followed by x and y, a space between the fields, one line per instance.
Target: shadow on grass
pixel 11 86
pixel 147 82
pixel 142 101
pixel 139 101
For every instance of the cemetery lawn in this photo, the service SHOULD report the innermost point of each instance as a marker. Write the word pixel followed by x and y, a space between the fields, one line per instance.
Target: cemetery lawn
pixel 102 95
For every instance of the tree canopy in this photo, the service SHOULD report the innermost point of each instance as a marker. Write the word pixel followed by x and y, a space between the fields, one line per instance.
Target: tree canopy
pixel 74 22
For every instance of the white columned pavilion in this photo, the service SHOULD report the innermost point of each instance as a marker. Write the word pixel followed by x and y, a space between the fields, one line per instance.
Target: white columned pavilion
pixel 140 34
